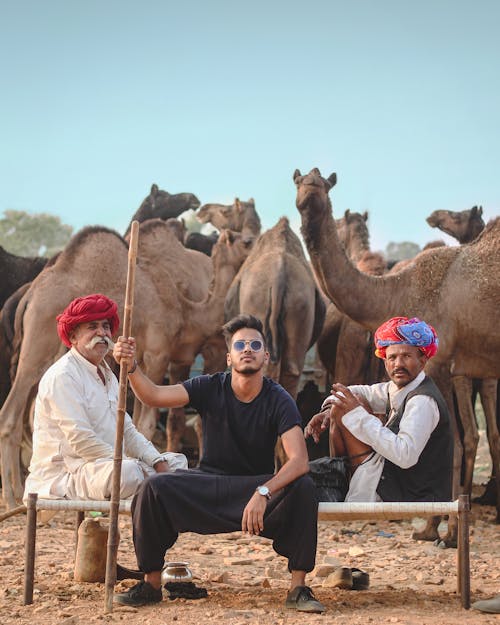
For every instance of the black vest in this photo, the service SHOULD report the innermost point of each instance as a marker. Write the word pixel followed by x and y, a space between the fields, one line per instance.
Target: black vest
pixel 430 479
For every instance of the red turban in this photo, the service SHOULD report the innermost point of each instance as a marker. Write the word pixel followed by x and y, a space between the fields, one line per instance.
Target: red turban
pixel 404 331
pixel 83 309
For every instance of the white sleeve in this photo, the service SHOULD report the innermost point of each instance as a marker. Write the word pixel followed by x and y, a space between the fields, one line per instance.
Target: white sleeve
pixel 138 446
pixel 420 417
pixel 375 395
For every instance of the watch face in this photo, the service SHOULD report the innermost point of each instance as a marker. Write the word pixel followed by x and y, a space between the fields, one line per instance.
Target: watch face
pixel 263 490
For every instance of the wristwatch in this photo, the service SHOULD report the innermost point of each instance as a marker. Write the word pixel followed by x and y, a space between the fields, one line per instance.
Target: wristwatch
pixel 264 491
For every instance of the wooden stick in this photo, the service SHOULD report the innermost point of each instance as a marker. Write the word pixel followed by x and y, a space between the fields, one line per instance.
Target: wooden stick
pixel 113 538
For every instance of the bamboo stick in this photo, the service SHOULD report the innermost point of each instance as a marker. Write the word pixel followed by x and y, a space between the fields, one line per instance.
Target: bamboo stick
pixel 113 538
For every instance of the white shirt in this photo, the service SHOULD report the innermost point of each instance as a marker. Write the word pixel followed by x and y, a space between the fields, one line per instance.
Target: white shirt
pixel 75 423
pixel 419 419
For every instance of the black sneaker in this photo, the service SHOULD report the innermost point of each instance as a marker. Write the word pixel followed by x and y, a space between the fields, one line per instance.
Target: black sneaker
pixel 140 594
pixel 302 599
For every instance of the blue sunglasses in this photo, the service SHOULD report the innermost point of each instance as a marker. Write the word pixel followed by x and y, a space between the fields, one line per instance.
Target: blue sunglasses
pixel 255 345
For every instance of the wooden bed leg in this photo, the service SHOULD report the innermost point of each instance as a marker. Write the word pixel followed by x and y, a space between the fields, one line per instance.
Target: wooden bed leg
pixel 29 549
pixel 463 560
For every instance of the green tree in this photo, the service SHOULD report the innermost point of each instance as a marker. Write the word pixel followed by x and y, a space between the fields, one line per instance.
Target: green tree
pixel 401 251
pixel 39 234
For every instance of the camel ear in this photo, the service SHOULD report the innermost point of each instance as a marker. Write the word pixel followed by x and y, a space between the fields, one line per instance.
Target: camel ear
pixel 154 189
pixel 480 211
pixel 365 215
pixel 296 174
pixel 347 214
pixel 332 179
pixel 251 201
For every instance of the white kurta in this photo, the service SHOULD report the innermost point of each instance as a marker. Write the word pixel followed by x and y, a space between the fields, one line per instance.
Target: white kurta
pixel 74 435
pixel 419 419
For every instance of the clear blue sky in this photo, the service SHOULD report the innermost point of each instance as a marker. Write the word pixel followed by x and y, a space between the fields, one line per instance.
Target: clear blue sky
pixel 99 99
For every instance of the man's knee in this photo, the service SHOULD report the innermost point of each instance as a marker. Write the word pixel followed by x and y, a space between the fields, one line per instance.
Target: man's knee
pixel 132 477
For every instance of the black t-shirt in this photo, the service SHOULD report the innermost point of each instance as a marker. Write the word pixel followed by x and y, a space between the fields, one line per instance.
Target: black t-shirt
pixel 239 438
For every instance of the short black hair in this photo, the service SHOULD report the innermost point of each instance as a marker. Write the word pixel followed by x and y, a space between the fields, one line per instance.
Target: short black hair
pixel 238 323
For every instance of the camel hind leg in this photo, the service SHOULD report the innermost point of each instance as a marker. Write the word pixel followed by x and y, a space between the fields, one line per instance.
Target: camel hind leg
pixel 488 394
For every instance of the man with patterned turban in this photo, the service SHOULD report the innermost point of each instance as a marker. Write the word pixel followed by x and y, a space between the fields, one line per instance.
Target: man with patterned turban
pixel 408 455
pixel 75 415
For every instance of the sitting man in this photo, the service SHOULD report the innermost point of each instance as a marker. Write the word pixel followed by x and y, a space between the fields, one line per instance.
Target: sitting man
pixel 75 415
pixel 243 413
pixel 409 457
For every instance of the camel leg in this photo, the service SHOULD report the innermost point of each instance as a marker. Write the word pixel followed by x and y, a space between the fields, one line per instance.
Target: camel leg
pixel 176 426
pixel 463 390
pixel 198 428
pixel 488 394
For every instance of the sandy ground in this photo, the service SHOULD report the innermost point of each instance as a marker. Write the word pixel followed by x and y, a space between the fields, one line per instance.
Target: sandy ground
pixel 410 582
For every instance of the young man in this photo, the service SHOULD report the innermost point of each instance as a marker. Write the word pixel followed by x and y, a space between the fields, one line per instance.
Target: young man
pixel 409 458
pixel 75 415
pixel 243 413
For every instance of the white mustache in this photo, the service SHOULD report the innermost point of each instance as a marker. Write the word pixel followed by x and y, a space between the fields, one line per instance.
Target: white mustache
pixel 98 339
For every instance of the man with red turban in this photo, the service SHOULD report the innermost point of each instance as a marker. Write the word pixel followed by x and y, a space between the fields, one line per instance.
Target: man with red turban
pixel 408 455
pixel 75 415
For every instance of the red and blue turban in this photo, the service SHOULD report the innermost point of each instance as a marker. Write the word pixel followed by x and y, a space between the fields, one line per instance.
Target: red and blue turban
pixel 82 309
pixel 404 331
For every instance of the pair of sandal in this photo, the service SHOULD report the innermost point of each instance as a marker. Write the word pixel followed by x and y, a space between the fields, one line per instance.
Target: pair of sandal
pixel 349 579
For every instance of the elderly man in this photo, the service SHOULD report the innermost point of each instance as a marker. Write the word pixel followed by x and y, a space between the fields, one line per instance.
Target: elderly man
pixel 409 457
pixel 243 413
pixel 75 415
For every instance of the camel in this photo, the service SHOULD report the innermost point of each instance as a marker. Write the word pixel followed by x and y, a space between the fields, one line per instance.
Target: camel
pixel 238 216
pixel 344 347
pixel 455 289
pixel 201 242
pixel 80 269
pixel 16 271
pixel 202 299
pixel 161 204
pixel 464 225
pixel 178 228
pixel 276 284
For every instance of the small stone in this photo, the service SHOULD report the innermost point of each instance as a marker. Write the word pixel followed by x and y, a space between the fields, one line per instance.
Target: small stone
pixel 323 570
pixel 356 551
pixel 205 551
pixel 237 561
pixel 221 578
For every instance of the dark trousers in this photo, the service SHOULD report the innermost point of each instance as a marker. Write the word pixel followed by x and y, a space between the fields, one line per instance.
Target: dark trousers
pixel 193 501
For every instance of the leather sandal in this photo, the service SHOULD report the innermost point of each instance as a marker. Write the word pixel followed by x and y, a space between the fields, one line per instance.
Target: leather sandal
pixel 360 579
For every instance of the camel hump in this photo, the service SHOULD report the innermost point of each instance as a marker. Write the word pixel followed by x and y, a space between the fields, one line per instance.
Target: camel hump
pixel 273 323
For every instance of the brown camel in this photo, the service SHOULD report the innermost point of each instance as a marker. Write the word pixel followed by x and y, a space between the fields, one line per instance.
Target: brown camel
pixel 95 260
pixel 276 285
pixel 464 225
pixel 456 289
pixel 178 228
pixel 345 347
pixel 238 216
pixel 163 205
pixel 202 301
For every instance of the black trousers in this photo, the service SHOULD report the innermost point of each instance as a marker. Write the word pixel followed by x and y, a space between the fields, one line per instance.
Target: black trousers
pixel 194 501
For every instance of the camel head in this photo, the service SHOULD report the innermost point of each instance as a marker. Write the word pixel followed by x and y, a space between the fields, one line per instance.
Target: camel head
pixel 228 216
pixel 232 248
pixel 164 205
pixel 312 191
pixel 353 232
pixel 464 225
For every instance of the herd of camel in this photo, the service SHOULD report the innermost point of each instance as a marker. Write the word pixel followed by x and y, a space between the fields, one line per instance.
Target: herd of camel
pixel 335 300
